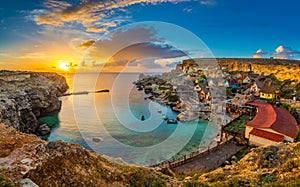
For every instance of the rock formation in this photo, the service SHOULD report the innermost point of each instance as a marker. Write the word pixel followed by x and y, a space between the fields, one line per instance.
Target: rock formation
pixel 27 157
pixel 282 69
pixel 24 96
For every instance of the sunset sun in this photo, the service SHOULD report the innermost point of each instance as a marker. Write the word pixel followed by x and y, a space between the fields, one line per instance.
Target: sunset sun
pixel 64 66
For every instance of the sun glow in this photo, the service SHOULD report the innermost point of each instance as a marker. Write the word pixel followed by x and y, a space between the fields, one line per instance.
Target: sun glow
pixel 64 66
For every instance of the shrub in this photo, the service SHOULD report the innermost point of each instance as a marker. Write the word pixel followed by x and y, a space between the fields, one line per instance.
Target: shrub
pixel 5 183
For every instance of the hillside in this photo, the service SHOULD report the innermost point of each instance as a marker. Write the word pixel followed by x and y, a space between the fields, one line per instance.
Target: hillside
pixel 26 156
pixel 265 166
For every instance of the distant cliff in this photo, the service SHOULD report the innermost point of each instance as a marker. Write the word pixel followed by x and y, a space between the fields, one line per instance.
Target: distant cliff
pixel 282 69
pixel 24 96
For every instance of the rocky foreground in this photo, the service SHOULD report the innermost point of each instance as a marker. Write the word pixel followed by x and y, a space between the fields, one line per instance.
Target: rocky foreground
pixel 27 157
pixel 25 96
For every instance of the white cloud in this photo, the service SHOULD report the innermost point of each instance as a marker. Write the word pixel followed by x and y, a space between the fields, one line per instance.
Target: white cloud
pixel 284 52
pixel 208 2
pixel 171 62
pixel 259 54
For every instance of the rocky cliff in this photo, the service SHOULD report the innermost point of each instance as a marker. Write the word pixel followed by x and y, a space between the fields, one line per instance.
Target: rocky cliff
pixel 24 96
pixel 27 157
pixel 282 69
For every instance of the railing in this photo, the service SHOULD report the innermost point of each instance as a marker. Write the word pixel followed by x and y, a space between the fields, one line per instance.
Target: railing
pixel 192 156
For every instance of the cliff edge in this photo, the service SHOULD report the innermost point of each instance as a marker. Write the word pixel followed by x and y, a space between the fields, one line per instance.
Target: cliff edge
pixel 24 96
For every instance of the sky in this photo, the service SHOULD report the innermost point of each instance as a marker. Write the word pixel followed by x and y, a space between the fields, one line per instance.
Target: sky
pixel 51 35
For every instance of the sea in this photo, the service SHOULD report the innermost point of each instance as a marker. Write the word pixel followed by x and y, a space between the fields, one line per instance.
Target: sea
pixel 110 124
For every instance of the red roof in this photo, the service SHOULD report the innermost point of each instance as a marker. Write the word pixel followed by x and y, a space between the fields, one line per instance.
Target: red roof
pixel 267 135
pixel 277 119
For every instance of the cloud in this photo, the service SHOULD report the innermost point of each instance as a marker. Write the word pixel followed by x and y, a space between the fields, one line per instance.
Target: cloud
pixel 86 44
pixel 167 62
pixel 33 55
pixel 93 15
pixel 208 2
pixel 259 54
pixel 188 10
pixel 145 50
pixel 120 39
pixel 284 52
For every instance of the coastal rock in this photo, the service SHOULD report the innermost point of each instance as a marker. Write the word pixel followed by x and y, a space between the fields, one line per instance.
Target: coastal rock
pixel 25 96
pixel 62 164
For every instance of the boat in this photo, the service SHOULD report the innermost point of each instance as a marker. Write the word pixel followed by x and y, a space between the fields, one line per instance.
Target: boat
pixel 143 118
pixel 165 117
pixel 172 121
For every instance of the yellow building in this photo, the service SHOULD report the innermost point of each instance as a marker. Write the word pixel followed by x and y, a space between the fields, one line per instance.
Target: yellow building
pixel 268 95
pixel 269 91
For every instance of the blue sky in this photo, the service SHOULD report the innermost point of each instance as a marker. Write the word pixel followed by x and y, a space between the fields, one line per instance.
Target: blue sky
pixel 31 30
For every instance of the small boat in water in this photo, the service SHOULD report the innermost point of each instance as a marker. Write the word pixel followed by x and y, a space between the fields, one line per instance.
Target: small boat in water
pixel 165 117
pixel 172 121
pixel 143 118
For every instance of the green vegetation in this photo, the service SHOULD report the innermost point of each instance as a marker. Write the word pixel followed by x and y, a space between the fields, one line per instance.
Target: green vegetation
pixel 138 178
pixel 242 153
pixel 238 125
pixel 173 98
pixel 4 182
pixel 267 179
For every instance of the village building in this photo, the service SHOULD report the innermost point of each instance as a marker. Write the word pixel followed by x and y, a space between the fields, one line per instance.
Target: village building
pixel 264 88
pixel 269 90
pixel 271 125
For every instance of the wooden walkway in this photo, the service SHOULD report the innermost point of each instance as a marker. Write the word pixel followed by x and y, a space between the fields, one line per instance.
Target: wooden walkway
pixel 205 160
pixel 209 161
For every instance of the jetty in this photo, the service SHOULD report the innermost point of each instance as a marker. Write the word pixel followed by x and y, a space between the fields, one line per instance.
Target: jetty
pixel 85 92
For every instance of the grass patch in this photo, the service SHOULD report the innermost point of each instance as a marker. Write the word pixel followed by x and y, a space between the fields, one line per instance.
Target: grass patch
pixel 4 182
pixel 242 153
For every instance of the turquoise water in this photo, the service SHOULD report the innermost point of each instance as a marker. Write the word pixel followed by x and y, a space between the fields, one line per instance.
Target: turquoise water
pixel 114 119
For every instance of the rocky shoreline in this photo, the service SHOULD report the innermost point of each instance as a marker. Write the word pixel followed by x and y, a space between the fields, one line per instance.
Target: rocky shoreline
pixel 26 96
pixel 26 160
